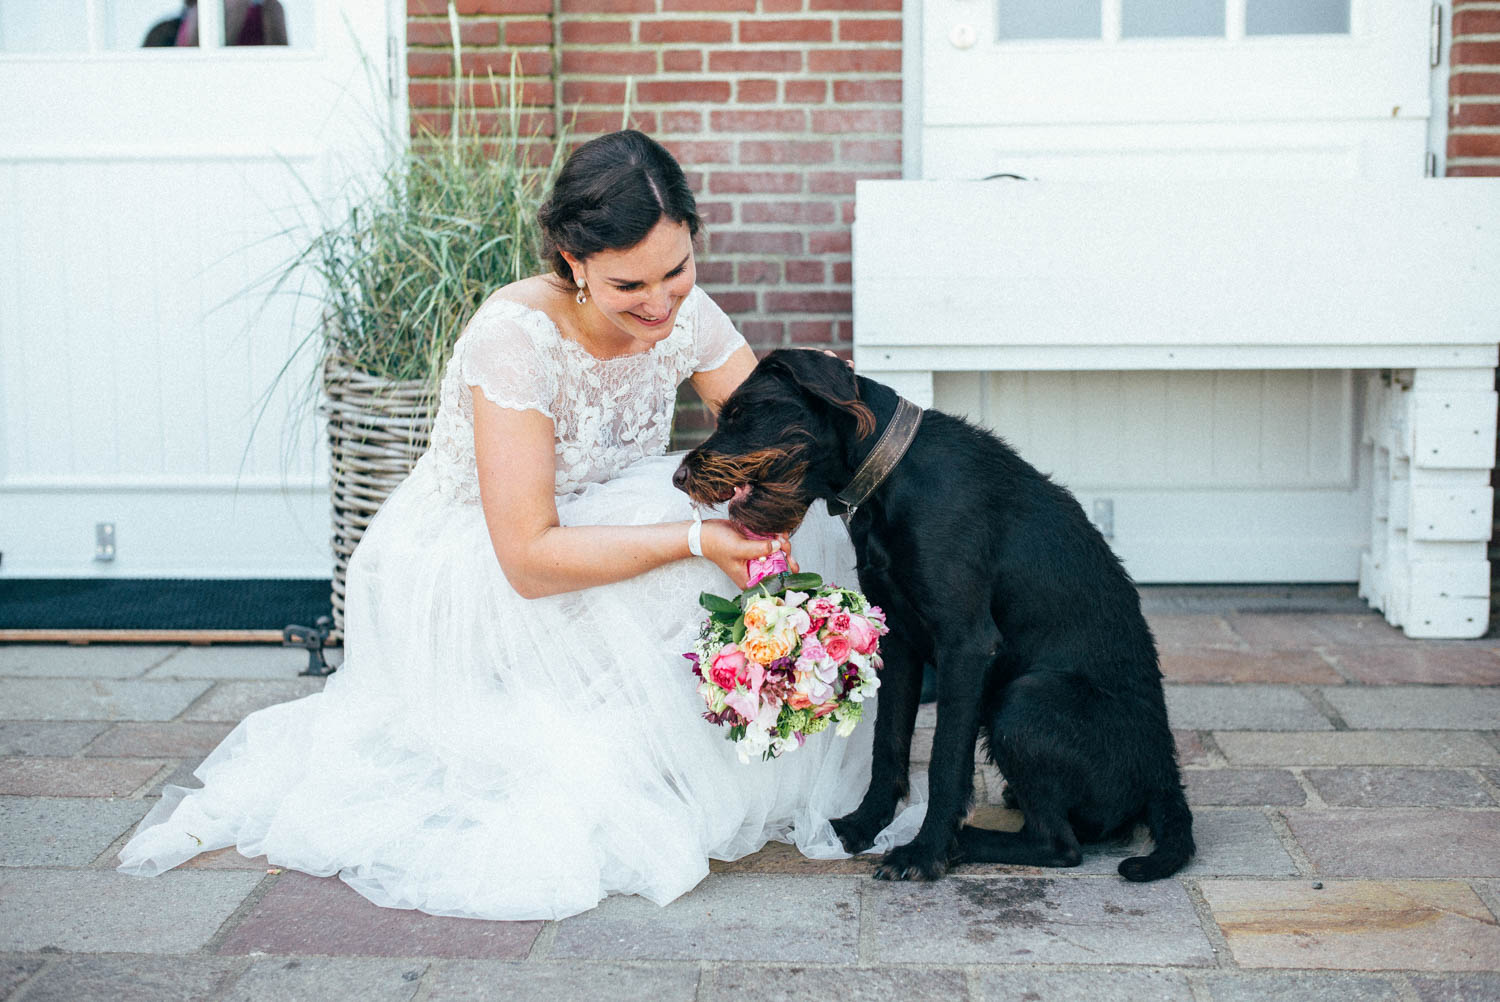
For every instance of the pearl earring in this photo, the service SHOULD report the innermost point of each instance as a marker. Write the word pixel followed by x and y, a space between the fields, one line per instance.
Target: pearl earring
pixel 583 291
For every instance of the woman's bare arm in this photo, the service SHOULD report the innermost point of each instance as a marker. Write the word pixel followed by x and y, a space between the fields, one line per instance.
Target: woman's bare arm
pixel 514 450
pixel 715 385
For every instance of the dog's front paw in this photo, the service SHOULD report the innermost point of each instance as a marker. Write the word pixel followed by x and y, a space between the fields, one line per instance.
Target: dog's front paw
pixel 856 834
pixel 912 862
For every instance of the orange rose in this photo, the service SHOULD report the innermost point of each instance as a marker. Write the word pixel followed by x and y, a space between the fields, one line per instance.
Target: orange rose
pixel 756 617
pixel 766 649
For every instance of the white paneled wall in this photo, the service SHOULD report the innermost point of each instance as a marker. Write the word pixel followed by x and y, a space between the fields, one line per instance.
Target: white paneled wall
pixel 1239 475
pixel 1267 429
pixel 137 350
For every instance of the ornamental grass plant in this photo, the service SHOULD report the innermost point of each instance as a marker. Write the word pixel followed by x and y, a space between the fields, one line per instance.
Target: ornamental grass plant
pixel 397 266
pixel 401 264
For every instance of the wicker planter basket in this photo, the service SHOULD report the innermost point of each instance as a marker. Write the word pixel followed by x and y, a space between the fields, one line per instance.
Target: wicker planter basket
pixel 377 430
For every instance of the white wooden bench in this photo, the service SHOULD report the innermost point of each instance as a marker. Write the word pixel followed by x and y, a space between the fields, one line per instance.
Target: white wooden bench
pixel 1397 285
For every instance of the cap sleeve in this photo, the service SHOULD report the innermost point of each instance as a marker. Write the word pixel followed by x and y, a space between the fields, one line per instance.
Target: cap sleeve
pixel 714 336
pixel 498 354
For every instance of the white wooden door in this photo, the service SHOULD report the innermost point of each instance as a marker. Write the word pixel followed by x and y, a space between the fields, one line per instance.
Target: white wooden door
pixel 1205 88
pixel 1203 476
pixel 143 191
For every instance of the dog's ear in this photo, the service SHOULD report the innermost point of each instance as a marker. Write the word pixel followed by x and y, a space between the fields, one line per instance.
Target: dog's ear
pixel 828 378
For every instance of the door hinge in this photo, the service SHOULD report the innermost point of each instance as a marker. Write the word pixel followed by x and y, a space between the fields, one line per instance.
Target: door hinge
pixel 1435 36
pixel 392 53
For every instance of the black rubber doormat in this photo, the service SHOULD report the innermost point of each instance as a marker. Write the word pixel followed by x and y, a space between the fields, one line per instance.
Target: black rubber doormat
pixel 161 603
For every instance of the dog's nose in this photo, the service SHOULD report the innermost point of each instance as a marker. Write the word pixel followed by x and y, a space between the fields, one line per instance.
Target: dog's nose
pixel 680 478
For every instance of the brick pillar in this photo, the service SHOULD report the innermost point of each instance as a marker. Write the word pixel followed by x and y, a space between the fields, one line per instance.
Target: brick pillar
pixel 774 108
pixel 1474 151
pixel 1474 90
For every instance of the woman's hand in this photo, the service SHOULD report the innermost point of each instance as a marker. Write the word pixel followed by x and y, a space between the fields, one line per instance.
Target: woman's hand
pixel 725 545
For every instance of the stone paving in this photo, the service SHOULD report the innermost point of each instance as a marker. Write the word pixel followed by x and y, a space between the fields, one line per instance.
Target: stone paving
pixel 1345 782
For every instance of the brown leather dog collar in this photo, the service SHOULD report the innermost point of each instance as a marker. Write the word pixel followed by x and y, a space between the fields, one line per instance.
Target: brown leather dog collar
pixel 889 449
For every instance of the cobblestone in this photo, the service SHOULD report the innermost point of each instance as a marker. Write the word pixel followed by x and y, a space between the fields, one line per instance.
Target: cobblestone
pixel 94 699
pixel 1441 748
pixel 1463 708
pixel 1371 843
pixel 1368 787
pixel 1354 925
pixel 46 831
pixel 1242 708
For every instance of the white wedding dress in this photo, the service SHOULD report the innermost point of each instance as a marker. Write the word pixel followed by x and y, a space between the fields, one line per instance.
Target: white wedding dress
pixel 484 755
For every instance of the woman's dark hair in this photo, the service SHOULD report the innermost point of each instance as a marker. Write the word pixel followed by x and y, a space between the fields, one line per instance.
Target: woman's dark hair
pixel 611 192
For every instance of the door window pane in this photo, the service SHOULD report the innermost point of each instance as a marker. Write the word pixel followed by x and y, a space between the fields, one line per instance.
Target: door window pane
pixel 132 23
pixel 55 26
pixel 1171 18
pixel 1023 19
pixel 259 22
pixel 1297 17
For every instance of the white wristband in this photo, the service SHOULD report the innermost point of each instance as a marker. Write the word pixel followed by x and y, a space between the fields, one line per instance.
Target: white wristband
pixel 695 535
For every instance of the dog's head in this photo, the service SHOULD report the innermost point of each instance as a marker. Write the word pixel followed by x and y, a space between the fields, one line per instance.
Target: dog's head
pixel 779 444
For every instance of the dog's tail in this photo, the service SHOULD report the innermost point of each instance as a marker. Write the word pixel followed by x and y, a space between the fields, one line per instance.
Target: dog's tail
pixel 1171 825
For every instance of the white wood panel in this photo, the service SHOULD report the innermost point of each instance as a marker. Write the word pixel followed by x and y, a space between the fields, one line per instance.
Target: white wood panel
pixel 228 531
pixel 915 358
pixel 157 365
pixel 1388 149
pixel 1173 513
pixel 1452 513
pixel 1166 430
pixel 1170 262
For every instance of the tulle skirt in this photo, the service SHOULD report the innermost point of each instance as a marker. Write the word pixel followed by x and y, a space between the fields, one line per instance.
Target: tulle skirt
pixel 484 755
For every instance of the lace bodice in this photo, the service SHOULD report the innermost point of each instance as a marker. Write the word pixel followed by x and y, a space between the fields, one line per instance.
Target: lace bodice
pixel 607 413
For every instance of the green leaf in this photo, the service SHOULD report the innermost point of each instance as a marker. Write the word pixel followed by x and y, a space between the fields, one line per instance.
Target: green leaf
pixel 738 632
pixel 806 581
pixel 716 603
pixel 755 591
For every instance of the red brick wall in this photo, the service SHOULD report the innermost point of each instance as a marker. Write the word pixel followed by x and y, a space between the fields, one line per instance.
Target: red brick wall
pixel 492 33
pixel 1474 148
pixel 773 107
pixel 1474 90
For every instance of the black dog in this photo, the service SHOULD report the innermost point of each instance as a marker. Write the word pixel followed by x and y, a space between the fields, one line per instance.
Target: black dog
pixel 991 572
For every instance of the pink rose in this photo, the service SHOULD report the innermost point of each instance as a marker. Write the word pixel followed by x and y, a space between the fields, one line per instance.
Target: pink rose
pixel 729 667
pixel 812 651
pixel 821 608
pixel 862 634
pixel 839 622
pixel 837 648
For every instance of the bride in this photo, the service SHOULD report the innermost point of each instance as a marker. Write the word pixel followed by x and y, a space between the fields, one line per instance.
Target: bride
pixel 515 733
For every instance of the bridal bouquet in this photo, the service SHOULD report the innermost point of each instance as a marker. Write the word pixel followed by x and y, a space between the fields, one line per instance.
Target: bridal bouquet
pixel 789 657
